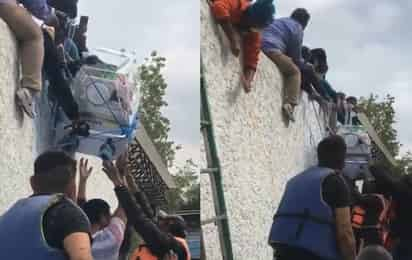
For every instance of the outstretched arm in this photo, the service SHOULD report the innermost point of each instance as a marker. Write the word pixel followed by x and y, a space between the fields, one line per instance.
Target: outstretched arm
pixel 159 242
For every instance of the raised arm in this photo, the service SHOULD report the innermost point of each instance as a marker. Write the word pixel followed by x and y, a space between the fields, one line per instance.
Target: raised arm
pixel 159 242
pixel 84 174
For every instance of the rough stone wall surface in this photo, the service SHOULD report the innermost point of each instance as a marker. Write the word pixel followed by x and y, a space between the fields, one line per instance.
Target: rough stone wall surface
pixel 16 132
pixel 258 152
pixel 17 136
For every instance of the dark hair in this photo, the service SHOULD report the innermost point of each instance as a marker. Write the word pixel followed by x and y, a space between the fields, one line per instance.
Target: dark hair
pixel 177 226
pixel 306 54
pixel 53 171
pixel 374 253
pixel 332 152
pixel 260 14
pixel 301 15
pixel 352 99
pixel 318 55
pixel 95 209
pixel 67 6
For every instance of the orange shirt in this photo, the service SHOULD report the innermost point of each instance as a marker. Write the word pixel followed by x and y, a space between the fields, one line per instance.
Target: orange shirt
pixel 232 10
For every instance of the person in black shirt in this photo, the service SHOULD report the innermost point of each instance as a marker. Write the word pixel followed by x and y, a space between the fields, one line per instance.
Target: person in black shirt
pixel 336 194
pixel 64 229
pixel 160 243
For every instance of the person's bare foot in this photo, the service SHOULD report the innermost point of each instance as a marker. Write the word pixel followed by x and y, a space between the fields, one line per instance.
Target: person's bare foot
pixel 24 99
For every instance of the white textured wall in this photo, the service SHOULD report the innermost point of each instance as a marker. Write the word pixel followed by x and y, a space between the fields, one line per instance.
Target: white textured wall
pixel 17 136
pixel 258 152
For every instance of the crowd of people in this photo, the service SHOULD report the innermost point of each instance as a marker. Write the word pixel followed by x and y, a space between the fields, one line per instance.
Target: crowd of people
pixel 281 40
pixel 58 222
pixel 324 215
pixel 51 48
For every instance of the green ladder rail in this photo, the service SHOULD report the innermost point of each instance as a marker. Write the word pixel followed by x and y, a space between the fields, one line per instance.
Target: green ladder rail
pixel 214 171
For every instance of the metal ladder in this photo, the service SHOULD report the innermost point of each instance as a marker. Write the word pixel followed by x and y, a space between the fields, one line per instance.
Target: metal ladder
pixel 214 172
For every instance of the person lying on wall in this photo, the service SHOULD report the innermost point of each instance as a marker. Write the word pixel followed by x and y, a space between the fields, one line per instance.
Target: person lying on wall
pixel 163 241
pixel 249 18
pixel 107 229
pixel 48 224
pixel 60 67
pixel 282 43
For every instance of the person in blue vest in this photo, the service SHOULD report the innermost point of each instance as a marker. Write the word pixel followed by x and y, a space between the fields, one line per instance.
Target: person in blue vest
pixel 313 220
pixel 47 225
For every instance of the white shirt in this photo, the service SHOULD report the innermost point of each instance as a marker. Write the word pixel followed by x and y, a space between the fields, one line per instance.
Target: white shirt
pixel 107 242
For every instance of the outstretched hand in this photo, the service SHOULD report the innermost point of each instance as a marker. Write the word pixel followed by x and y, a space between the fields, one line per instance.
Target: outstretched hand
pixel 121 164
pixel 84 170
pixel 112 173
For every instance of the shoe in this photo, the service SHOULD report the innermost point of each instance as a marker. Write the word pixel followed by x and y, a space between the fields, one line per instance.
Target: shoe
pixel 288 111
pixel 24 99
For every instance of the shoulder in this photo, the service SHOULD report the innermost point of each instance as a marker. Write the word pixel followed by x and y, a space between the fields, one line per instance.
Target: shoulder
pixel 334 180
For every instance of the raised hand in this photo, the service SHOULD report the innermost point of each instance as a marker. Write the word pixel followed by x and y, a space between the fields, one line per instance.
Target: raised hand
pixel 112 173
pixel 84 170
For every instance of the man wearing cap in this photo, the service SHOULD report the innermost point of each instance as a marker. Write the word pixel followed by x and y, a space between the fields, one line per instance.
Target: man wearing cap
pixel 47 225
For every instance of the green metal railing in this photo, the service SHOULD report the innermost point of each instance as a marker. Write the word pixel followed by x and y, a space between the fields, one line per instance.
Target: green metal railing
pixel 214 171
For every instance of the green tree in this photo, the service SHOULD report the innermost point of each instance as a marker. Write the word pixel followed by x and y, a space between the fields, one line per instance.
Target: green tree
pixel 153 89
pixel 186 196
pixel 381 114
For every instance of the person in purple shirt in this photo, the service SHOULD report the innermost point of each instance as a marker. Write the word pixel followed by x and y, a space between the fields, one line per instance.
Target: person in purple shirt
pixel 282 43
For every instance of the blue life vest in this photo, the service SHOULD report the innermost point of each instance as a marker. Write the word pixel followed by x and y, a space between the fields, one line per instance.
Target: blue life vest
pixel 21 230
pixel 304 220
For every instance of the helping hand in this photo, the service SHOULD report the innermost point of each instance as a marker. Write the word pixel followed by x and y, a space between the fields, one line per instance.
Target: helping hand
pixel 112 173
pixel 84 170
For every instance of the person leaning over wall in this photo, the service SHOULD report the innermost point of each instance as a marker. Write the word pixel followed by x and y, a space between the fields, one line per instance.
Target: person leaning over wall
pixel 249 18
pixel 47 225
pixel 282 43
pixel 30 44
pixel 313 221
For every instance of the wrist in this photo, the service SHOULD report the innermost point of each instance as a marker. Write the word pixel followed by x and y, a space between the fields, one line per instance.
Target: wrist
pixel 118 183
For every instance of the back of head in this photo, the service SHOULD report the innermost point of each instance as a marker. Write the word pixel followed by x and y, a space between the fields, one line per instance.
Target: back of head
pixel 302 16
pixel 95 209
pixel 177 226
pixel 67 6
pixel 374 253
pixel 260 14
pixel 352 100
pixel 332 152
pixel 319 59
pixel 54 172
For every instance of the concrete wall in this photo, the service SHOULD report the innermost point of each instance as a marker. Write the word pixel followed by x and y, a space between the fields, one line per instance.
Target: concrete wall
pixel 16 132
pixel 258 152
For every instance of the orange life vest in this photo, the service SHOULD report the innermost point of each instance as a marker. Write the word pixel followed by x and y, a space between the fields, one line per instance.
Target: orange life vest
pixel 144 253
pixel 382 224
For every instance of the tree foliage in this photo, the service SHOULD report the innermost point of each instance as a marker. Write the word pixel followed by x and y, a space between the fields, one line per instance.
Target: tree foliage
pixel 187 194
pixel 153 89
pixel 381 114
